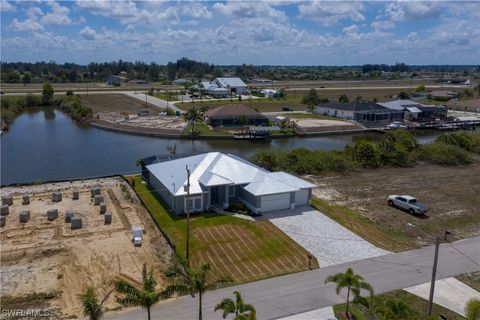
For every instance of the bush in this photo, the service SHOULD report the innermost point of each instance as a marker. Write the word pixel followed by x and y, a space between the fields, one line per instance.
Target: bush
pixel 69 93
pixel 467 141
pixel 444 154
pixel 239 207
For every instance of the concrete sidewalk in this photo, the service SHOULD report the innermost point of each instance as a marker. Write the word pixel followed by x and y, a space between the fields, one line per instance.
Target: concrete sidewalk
pixel 449 293
pixel 319 314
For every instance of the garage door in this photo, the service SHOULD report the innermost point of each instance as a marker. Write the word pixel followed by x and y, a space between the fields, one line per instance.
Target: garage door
pixel 275 202
pixel 301 197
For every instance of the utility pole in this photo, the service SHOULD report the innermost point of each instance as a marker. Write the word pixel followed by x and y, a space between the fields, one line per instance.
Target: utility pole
pixel 187 255
pixel 434 275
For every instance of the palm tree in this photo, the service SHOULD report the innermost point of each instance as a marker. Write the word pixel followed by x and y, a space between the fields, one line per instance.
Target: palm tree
pixel 472 309
pixel 293 125
pixel 91 308
pixel 144 297
pixel 349 280
pixel 193 280
pixel 194 116
pixel 392 309
pixel 242 311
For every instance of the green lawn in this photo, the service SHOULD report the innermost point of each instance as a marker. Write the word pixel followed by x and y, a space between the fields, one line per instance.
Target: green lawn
pixel 239 248
pixel 373 232
pixel 418 305
pixel 204 130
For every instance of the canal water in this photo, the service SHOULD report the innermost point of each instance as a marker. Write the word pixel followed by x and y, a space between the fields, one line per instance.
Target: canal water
pixel 39 147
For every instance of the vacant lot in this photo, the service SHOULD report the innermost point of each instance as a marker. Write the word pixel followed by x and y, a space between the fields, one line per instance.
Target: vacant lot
pixel 45 263
pixel 262 105
pixel 359 202
pixel 120 103
pixel 242 249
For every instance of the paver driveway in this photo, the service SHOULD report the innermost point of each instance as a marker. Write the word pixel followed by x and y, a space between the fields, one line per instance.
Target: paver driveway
pixel 328 241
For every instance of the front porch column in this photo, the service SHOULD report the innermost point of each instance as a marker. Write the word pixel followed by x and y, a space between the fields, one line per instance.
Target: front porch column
pixel 225 203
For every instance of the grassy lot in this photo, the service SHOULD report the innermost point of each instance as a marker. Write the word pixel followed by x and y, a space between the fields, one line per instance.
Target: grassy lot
pixel 205 130
pixel 120 103
pixel 471 279
pixel 359 202
pixel 242 249
pixel 418 305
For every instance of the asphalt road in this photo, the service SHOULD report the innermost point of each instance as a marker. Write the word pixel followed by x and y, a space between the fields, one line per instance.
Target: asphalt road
pixel 296 293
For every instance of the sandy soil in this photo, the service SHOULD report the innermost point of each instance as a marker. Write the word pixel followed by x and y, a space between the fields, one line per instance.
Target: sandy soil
pixel 49 258
pixel 451 193
pixel 314 123
pixel 151 121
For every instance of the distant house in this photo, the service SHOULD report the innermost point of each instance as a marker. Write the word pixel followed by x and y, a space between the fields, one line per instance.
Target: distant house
pixel 123 74
pixel 441 95
pixel 235 115
pixel 417 112
pixel 213 89
pixel 217 180
pixel 262 81
pixel 180 82
pixel 113 81
pixel 233 84
pixel 367 113
pixel 137 81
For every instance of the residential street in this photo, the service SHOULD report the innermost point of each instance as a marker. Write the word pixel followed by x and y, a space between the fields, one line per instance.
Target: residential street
pixel 295 293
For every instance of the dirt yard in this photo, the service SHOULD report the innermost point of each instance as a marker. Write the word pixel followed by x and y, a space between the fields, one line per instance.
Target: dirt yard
pixel 451 193
pixel 320 125
pixel 119 103
pixel 151 121
pixel 46 263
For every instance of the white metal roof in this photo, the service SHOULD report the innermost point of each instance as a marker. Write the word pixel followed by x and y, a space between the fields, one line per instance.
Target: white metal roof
pixel 232 82
pixel 413 110
pixel 399 104
pixel 215 169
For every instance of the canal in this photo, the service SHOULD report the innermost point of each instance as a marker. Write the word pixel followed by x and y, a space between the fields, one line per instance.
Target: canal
pixel 39 148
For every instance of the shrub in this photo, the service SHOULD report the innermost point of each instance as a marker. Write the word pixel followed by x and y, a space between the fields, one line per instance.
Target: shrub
pixel 367 154
pixel 444 154
pixel 69 93
pixel 467 141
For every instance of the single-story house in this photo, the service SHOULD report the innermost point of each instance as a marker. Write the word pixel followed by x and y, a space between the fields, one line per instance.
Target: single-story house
pixel 417 112
pixel 180 82
pixel 234 115
pixel 367 113
pixel 233 84
pixel 213 89
pixel 113 80
pixel 217 179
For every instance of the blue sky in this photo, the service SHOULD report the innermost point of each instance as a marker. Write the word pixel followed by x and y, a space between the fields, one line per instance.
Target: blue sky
pixel 236 32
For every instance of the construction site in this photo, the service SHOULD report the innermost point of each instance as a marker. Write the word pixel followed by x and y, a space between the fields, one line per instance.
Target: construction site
pixel 58 238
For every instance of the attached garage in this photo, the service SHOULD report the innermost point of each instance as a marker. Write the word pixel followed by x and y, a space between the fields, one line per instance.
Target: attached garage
pixel 274 202
pixel 302 197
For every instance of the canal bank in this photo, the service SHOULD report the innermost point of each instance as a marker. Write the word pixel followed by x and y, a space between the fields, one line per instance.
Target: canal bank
pixel 38 148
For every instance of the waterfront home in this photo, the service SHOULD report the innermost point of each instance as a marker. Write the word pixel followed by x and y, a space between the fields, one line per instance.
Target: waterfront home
pixel 417 112
pixel 217 179
pixel 367 113
pixel 235 115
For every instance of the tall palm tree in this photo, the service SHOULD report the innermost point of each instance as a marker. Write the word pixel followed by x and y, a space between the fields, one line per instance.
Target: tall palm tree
pixel 241 310
pixel 191 280
pixel 349 280
pixel 472 309
pixel 392 309
pixel 193 115
pixel 144 297
pixel 91 308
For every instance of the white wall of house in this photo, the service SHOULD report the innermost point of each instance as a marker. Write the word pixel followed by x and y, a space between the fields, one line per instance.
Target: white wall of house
pixel 343 114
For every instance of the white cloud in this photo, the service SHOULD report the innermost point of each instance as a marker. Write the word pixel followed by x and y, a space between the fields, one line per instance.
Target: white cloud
pixel 58 15
pixel 382 25
pixel 34 12
pixel 195 10
pixel 352 29
pixel 27 25
pixel 6 6
pixel 412 10
pixel 88 33
pixel 249 10
pixel 330 12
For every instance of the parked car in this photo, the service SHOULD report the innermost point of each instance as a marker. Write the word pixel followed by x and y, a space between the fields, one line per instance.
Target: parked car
pixel 137 235
pixel 397 125
pixel 287 109
pixel 407 203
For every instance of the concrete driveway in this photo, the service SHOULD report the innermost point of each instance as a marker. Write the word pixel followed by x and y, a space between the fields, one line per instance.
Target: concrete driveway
pixel 327 240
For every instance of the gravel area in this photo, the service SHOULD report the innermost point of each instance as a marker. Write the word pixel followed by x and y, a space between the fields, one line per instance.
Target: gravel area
pixel 328 241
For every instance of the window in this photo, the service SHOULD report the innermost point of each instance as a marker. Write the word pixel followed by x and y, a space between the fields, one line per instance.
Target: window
pixel 412 201
pixel 231 191
pixel 402 199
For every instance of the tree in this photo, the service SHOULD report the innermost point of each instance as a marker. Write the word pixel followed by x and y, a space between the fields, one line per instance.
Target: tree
pixel 403 95
pixel 241 310
pixel 343 99
pixel 144 297
pixel 193 281
pixel 27 78
pixel 194 117
pixel 349 280
pixel 91 308
pixel 472 309
pixel 242 120
pixel 420 88
pixel 392 309
pixel 283 126
pixel 47 93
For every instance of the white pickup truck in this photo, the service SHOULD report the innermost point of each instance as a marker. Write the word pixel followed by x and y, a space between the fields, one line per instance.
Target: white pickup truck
pixel 137 235
pixel 407 203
